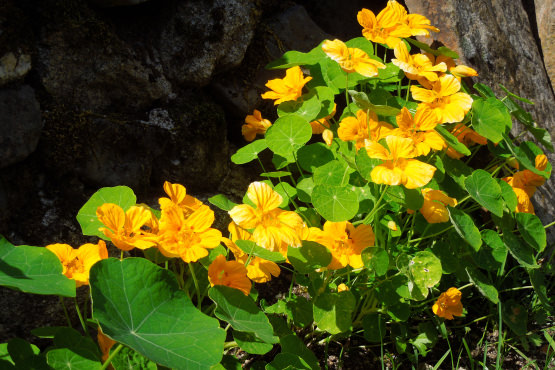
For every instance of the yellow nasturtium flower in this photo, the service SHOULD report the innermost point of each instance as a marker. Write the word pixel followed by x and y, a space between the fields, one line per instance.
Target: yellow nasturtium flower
pixel 351 59
pixel 363 126
pixel 188 238
pixel 78 262
pixel 125 228
pixel 419 129
pixel 449 304
pixel 272 225
pixel 327 135
pixel 254 124
pixel 466 136
pixel 288 88
pixel 322 124
pixel 387 27
pixel 444 99
pixel 229 273
pixel 458 71
pixel 178 197
pixel 398 167
pixel 434 208
pixel 258 270
pixel 416 66
pixel 524 184
pixel 345 242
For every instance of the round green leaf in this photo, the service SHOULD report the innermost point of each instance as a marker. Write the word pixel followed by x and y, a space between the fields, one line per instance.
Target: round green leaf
pixel 374 327
pixel 119 195
pixel 465 228
pixel 425 269
pixel 140 305
pixel 486 191
pixel 326 97
pixel 73 351
pixel 490 118
pixel 508 194
pixel 452 141
pixel 249 152
pixel 33 270
pixel 335 203
pixel 222 202
pixel 241 312
pixel 304 189
pixel 520 250
pixel 309 257
pixel 314 155
pixel 376 259
pixel 333 173
pixel 332 311
pixel 532 230
pixel 288 134
pixel 493 252
pixel 249 343
pixel 483 284
pixel 515 316
pixel 307 107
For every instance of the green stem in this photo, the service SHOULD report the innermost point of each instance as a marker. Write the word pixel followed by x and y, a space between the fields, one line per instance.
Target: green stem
pixel 368 217
pixel 549 225
pixel 111 357
pixel 264 170
pixel 347 92
pixel 432 235
pixel 192 269
pixel 65 311
pixel 80 317
pixel 408 91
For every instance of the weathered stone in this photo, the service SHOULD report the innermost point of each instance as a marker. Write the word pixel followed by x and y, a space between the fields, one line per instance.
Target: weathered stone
pixel 545 18
pixel 91 67
pixel 20 124
pixel 111 3
pixel 14 67
pixel 495 38
pixel 203 37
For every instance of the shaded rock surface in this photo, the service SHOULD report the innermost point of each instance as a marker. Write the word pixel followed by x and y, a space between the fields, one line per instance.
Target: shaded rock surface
pixel 20 124
pixel 545 18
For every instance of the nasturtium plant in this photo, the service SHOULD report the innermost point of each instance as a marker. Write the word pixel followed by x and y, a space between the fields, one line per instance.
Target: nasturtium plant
pixel 397 199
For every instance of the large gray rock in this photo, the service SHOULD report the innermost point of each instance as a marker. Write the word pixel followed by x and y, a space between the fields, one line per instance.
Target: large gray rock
pixel 126 59
pixel 20 124
pixel 495 38
pixel 545 17
pixel 14 67
pixel 291 29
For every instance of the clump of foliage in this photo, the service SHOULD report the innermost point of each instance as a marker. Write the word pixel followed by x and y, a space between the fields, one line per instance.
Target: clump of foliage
pixel 386 226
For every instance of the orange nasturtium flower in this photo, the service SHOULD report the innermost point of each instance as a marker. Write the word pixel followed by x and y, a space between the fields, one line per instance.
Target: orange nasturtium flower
pixel 458 71
pixel 254 124
pixel 351 59
pixel 419 129
pixel 105 343
pixel 189 237
pixel 387 27
pixel 466 136
pixel 364 126
pixel 449 304
pixel 434 208
pixel 399 167
pixel 524 184
pixel 416 66
pixel 272 225
pixel 345 242
pixel 444 99
pixel 322 124
pixel 288 88
pixel 124 228
pixel 229 273
pixel 258 270
pixel 78 262
pixel 178 197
